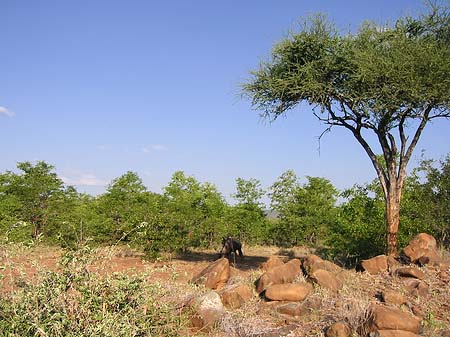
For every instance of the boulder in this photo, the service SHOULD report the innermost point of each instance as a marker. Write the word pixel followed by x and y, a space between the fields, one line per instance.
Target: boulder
pixel 207 310
pixel 288 292
pixel 272 262
pixel 393 297
pixel 416 287
pixel 409 272
pixel 234 296
pixel 215 276
pixel 298 309
pixel 326 280
pixel 311 259
pixel 421 249
pixel 376 265
pixel 392 333
pixel 279 275
pixel 325 265
pixel 338 329
pixel 385 318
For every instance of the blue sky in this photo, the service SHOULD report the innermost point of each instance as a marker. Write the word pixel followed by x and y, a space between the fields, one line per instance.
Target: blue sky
pixel 98 88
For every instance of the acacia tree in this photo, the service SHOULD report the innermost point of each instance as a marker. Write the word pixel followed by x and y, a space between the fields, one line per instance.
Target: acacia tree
pixel 383 84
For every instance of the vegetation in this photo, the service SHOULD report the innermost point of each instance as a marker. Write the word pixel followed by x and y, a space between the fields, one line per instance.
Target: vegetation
pixel 383 84
pixel 36 205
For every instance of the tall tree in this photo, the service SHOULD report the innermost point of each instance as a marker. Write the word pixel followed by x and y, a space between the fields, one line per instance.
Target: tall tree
pixel 35 188
pixel 383 83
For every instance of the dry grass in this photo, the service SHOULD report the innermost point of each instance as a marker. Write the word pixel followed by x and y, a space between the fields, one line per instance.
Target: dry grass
pixel 170 286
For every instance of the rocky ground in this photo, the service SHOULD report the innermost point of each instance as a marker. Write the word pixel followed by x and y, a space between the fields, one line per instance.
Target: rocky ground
pixel 273 292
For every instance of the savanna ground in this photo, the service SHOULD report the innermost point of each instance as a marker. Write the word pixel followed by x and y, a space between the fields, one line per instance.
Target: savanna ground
pixel 105 274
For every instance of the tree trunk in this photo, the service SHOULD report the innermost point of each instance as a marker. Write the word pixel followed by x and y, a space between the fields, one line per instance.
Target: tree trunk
pixel 392 221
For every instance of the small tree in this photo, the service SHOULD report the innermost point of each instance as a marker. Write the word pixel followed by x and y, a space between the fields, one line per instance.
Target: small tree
pixel 383 84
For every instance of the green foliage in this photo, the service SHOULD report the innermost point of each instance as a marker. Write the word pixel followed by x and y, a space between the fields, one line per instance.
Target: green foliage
pixel 305 212
pixel 427 201
pixel 75 302
pixel 385 82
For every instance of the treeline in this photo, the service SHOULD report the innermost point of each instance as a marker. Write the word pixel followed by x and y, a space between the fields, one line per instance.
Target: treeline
pixel 35 204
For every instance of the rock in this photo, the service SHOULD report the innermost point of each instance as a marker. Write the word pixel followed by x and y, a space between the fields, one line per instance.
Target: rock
pixel 215 276
pixel 392 333
pixel 338 329
pixel 376 265
pixel 298 309
pixel 416 287
pixel 325 265
pixel 421 246
pixel 277 332
pixel 384 318
pixel 311 259
pixel 272 262
pixel 417 311
pixel 409 272
pixel 234 296
pixel 207 310
pixel 327 280
pixel 393 297
pixel 288 292
pixel 279 275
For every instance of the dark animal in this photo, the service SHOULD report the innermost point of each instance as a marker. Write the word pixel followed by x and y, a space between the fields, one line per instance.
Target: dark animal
pixel 231 245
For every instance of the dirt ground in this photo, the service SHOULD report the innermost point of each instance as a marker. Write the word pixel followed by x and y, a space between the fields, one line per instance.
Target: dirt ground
pixel 173 273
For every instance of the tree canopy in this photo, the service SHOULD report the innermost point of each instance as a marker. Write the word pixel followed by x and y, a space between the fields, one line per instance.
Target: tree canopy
pixel 385 81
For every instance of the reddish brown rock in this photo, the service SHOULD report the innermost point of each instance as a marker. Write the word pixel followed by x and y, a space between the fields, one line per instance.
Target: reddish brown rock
pixel 279 275
pixel 409 272
pixel 272 262
pixel 422 246
pixel 417 311
pixel 393 333
pixel 311 259
pixel 416 287
pixel 288 292
pixel 297 309
pixel 393 297
pixel 215 276
pixel 325 265
pixel 376 265
pixel 327 280
pixel 338 329
pixel 234 296
pixel 384 318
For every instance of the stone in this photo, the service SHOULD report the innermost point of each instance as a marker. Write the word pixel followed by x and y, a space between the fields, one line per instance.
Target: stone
pixel 393 297
pixel 279 275
pixel 422 246
pixel 418 311
pixel 393 333
pixel 215 276
pixel 288 292
pixel 385 318
pixel 234 296
pixel 272 262
pixel 325 265
pixel 338 329
pixel 416 287
pixel 207 310
pixel 376 265
pixel 327 280
pixel 409 272
pixel 297 309
pixel 309 260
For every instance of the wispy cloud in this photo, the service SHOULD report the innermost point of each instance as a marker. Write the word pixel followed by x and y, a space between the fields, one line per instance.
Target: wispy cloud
pixel 6 112
pixel 154 148
pixel 83 179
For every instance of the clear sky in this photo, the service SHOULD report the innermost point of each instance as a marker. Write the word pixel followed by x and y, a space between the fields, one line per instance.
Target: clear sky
pixel 98 88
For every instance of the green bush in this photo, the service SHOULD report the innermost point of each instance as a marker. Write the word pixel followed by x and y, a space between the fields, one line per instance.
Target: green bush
pixel 75 302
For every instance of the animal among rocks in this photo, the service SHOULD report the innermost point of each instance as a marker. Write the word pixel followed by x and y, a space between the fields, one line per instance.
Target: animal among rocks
pixel 231 245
